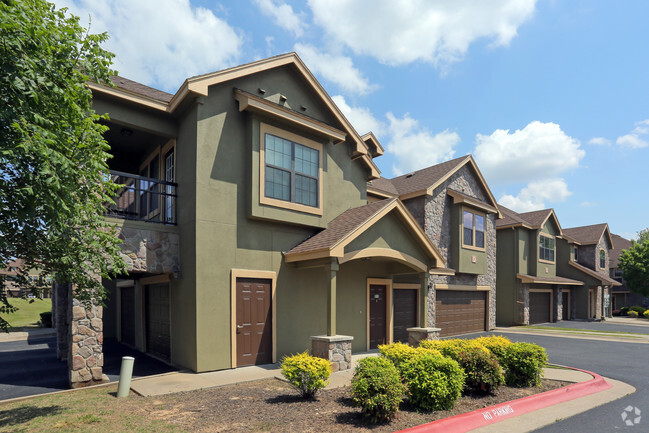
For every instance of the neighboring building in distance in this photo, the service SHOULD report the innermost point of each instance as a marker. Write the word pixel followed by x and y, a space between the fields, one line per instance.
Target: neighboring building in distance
pixel 530 287
pixel 455 207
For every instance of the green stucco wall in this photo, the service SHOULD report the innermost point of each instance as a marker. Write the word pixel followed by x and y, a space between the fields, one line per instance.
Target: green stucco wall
pixel 468 261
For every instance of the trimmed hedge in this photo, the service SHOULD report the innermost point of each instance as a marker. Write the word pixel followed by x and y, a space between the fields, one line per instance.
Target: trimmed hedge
pixel 306 373
pixel 497 344
pixel 434 382
pixel 483 371
pixel 452 347
pixel 377 389
pixel 524 364
pixel 400 353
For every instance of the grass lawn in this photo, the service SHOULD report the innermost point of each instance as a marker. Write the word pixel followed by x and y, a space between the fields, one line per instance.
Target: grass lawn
pixel 28 314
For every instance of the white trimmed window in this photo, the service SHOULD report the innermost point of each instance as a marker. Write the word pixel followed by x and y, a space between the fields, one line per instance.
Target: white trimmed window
pixel 546 248
pixel 473 229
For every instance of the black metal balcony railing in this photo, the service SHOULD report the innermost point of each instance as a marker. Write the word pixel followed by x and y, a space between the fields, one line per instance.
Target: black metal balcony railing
pixel 143 199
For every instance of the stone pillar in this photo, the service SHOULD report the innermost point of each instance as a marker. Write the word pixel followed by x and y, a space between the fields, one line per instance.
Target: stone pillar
pixel 86 359
pixel 61 306
pixel 336 348
pixel 332 270
pixel 557 304
pixel 598 303
pixel 416 335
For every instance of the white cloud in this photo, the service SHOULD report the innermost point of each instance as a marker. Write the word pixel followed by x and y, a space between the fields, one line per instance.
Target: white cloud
pixel 435 31
pixel 337 69
pixel 599 141
pixel 361 118
pixel 415 147
pixel 283 16
pixel 161 42
pixel 587 204
pixel 538 151
pixel 535 194
pixel 636 139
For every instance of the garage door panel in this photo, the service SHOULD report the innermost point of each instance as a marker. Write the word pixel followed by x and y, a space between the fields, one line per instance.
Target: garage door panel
pixel 540 307
pixel 460 312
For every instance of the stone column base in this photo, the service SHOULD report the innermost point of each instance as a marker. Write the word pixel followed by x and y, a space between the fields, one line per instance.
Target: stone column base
pixel 415 335
pixel 76 379
pixel 335 348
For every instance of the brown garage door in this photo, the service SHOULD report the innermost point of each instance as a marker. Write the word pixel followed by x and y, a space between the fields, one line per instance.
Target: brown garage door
pixel 539 307
pixel 405 313
pixel 460 312
pixel 127 315
pixel 254 322
pixel 158 339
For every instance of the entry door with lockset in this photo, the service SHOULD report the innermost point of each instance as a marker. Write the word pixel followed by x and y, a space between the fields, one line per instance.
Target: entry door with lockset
pixel 377 315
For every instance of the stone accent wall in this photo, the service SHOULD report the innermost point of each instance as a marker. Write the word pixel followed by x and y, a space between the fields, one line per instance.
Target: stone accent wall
pixel 557 304
pixel 152 251
pixel 598 303
pixel 603 245
pixel 437 211
pixel 337 349
pixel 523 303
pixel 86 359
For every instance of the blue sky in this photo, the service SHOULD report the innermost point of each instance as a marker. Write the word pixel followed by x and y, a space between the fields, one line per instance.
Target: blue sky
pixel 551 97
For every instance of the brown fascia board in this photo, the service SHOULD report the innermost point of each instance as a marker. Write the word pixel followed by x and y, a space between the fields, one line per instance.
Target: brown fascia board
pixel 370 137
pixel 380 192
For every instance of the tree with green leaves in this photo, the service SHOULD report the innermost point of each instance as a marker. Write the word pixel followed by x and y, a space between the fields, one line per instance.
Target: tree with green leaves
pixel 634 264
pixel 52 152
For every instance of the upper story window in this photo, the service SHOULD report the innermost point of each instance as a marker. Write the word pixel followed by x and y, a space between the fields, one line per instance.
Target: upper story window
pixel 291 171
pixel 546 248
pixel 576 250
pixel 473 229
pixel 602 259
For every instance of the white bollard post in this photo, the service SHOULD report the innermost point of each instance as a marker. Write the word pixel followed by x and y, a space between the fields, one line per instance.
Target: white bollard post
pixel 125 373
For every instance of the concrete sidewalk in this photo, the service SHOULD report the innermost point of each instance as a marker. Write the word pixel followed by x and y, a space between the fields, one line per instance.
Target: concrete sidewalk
pixel 625 320
pixel 577 333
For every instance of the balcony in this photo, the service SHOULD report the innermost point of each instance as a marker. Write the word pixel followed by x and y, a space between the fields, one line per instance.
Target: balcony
pixel 143 199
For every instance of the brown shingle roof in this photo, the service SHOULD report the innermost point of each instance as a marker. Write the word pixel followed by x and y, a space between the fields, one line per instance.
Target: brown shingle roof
pixel 620 244
pixel 604 279
pixel 536 218
pixel 141 89
pixel 340 227
pixel 384 185
pixel 509 217
pixel 548 280
pixel 426 177
pixel 586 235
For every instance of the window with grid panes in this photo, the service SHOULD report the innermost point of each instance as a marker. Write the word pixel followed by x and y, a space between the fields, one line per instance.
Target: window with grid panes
pixel 546 248
pixel 291 171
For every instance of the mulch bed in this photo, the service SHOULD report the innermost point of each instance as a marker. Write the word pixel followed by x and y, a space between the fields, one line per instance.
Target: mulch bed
pixel 272 405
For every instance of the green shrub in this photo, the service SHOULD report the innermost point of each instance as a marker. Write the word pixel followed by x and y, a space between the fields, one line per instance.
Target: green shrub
pixel 638 309
pixel 483 371
pixel 524 364
pixel 646 314
pixel 400 353
pixel 632 313
pixel 434 382
pixel 306 373
pixel 497 344
pixel 46 319
pixel 452 347
pixel 624 311
pixel 377 388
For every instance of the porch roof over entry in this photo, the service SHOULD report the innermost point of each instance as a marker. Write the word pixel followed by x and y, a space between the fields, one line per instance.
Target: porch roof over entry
pixel 351 224
pixel 548 280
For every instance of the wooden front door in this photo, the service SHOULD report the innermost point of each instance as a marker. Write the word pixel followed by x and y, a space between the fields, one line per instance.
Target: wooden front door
pixel 377 315
pixel 405 313
pixel 254 322
pixel 158 335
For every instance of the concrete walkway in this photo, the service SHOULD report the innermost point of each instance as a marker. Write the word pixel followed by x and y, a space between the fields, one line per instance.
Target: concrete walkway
pixel 576 333
pixel 26 334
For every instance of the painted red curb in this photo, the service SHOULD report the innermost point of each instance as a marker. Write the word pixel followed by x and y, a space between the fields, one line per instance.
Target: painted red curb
pixel 493 414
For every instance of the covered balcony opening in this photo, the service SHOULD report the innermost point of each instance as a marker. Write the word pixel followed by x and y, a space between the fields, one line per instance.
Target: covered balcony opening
pixel 144 164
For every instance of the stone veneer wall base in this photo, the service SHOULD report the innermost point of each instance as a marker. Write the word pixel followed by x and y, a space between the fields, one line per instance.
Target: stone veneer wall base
pixel 335 348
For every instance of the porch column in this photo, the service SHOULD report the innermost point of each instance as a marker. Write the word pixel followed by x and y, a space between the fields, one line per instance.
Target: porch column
pixel 423 300
pixel 332 270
